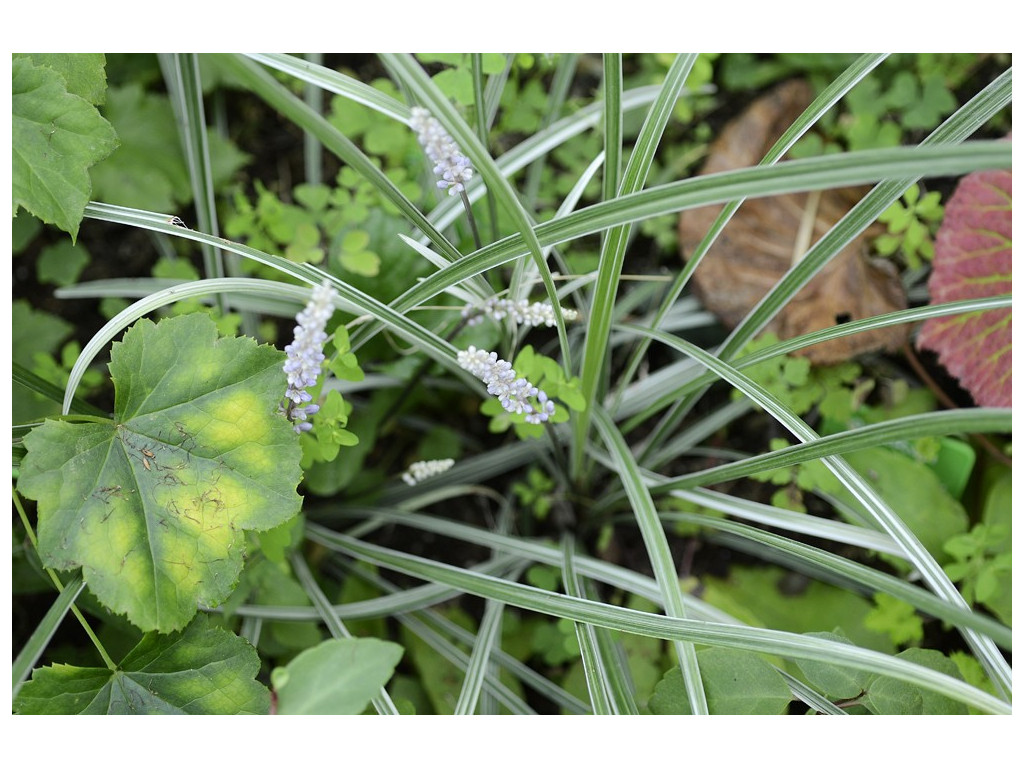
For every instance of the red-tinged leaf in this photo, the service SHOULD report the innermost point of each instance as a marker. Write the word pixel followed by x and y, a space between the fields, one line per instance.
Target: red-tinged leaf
pixel 973 252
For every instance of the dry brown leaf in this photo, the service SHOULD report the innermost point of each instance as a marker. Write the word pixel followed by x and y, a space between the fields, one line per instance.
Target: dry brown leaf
pixel 759 245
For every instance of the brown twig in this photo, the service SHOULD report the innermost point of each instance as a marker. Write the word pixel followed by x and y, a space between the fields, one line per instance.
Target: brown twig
pixel 947 401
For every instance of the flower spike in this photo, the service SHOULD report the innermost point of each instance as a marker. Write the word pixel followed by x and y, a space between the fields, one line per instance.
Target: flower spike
pixel 420 470
pixel 305 356
pixel 450 166
pixel 522 312
pixel 514 393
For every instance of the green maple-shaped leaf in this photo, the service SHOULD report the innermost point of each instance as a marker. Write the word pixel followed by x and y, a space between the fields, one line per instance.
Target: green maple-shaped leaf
pixel 973 259
pixel 57 136
pixel 154 505
pixel 84 73
pixel 203 670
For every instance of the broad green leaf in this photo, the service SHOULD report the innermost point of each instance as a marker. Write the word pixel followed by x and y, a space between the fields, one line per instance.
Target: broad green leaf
pixel 833 681
pixel 276 543
pixel 338 677
pixel 456 83
pixel 314 196
pixel 153 506
pixel 493 63
pixel 267 583
pixel 57 136
pixel 148 170
pixel 408 695
pixel 84 73
pixel 895 697
pixel 23 231
pixel 972 671
pixel 202 670
pixel 344 365
pixel 225 158
pixel 736 683
pixel 33 332
pixel 766 596
pixel 366 263
pixel 915 493
pixel 998 485
pixel 61 263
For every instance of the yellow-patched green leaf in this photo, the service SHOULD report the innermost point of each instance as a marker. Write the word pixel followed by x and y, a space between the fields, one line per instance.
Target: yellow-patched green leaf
pixel 154 505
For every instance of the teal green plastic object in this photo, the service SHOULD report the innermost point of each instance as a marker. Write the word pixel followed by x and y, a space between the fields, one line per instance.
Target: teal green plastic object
pixel 954 465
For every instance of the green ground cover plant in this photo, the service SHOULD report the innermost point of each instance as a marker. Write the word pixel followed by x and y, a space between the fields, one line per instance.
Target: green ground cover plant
pixel 378 384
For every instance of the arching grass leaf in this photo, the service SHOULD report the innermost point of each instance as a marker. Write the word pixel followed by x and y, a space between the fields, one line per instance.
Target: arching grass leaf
pixel 973 253
pixel 153 506
pixel 915 492
pixel 202 670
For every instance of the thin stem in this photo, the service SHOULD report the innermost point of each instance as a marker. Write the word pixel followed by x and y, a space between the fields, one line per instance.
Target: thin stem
pixel 472 221
pixel 312 149
pixel 109 662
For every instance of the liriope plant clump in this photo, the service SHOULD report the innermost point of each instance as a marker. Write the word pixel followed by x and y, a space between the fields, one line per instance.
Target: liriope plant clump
pixel 443 428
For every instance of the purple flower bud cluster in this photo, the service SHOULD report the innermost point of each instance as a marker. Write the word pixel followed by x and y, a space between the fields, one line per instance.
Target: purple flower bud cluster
pixel 450 166
pixel 522 312
pixel 513 392
pixel 305 356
